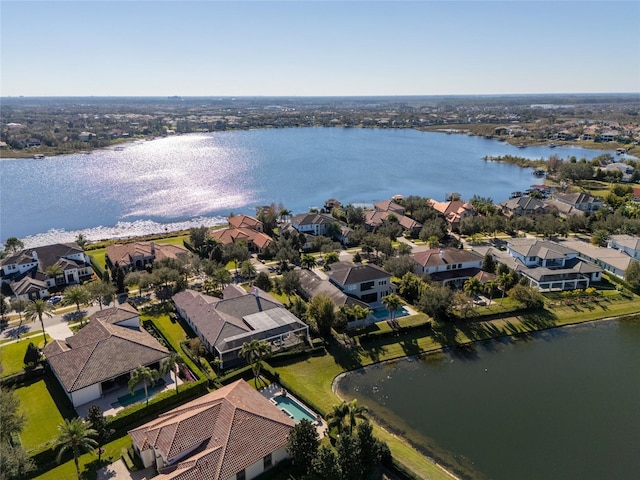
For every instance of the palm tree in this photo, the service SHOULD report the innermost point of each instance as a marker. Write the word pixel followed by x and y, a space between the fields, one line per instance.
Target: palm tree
pixel 253 352
pixel 143 374
pixel 472 287
pixel 19 304
pixel 503 280
pixel 392 302
pixel 345 416
pixel 308 261
pixel 77 295
pixel 247 269
pixel 54 271
pixel 172 363
pixel 75 435
pixel 100 291
pixel 36 309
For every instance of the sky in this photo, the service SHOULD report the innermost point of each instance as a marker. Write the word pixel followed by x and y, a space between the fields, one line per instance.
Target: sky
pixel 317 48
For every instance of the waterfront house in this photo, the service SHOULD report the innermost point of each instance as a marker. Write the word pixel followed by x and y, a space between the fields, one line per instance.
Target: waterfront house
pixel 231 433
pixel 246 221
pixel 522 205
pixel 369 283
pixel 101 356
pixel 255 240
pixel 628 244
pixel 611 260
pixel 25 272
pixel 388 211
pixel 313 223
pixel 453 211
pixel 547 266
pixel 225 324
pixel 312 285
pixel 136 255
pixel 579 200
pixel 447 266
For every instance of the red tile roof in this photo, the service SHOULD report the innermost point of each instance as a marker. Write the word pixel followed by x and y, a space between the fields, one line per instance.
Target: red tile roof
pixel 220 433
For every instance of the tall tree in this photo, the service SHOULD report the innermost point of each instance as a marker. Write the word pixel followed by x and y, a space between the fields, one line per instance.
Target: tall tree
pixel 18 305
pixel 290 283
pixel 344 416
pixel 247 270
pixel 254 352
pixel 36 309
pixel 13 245
pixel 392 303
pixel 143 375
pixel 321 311
pixel 308 261
pixel 172 363
pixel 75 435
pixel 4 307
pixel 101 292
pixel 100 424
pixel 303 446
pixel 14 461
pixel 55 271
pixel 325 465
pixel 77 295
pixel 473 287
pixel 348 449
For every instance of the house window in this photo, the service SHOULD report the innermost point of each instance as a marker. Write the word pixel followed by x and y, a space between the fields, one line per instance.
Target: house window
pixel 241 475
pixel 267 462
pixel 382 282
pixel 366 286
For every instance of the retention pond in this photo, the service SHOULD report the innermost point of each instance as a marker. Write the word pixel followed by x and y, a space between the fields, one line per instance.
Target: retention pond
pixel 559 404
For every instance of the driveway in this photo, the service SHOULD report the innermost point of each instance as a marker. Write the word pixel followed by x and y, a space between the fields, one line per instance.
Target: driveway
pixel 119 471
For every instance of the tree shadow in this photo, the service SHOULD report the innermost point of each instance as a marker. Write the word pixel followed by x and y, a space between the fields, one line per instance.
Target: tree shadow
pixel 410 346
pixel 15 332
pixel 374 350
pixel 347 357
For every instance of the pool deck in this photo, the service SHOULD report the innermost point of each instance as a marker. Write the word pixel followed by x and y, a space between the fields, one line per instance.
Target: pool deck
pixel 275 390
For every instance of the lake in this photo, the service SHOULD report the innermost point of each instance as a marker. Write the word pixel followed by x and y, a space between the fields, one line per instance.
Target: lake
pixel 562 404
pixel 189 180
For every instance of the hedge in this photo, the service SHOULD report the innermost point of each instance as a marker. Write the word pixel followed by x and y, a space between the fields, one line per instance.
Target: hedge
pixel 380 334
pixel 25 376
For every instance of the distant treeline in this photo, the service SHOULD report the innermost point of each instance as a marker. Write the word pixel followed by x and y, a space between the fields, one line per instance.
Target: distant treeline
pixel 519 161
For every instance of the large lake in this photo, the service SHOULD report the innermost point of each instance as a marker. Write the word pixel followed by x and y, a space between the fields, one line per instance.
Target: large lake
pixel 564 404
pixel 181 181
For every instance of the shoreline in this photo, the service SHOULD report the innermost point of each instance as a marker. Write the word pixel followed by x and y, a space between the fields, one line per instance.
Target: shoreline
pixel 462 129
pixel 421 449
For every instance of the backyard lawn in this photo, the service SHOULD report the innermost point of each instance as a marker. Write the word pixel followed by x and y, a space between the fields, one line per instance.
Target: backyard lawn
pixel 41 404
pixel 12 355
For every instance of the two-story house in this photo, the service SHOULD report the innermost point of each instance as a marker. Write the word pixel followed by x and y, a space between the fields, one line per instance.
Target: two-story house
pixel 522 205
pixel 448 266
pixel 135 256
pixel 368 283
pixel 581 201
pixel 32 272
pixel 625 243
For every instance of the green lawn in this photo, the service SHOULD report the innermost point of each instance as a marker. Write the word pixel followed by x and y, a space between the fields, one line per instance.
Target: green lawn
pixel 12 355
pixel 41 403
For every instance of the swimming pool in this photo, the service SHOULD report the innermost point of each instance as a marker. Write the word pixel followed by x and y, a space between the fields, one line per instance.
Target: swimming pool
pixel 382 313
pixel 292 408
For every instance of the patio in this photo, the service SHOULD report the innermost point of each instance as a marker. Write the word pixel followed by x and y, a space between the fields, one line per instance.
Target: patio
pixel 112 402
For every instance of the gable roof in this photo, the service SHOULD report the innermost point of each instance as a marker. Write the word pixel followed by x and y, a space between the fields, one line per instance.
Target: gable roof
pixel 227 430
pixel 47 255
pixel 232 235
pixel 101 351
pixel 345 273
pixel 529 247
pixel 627 241
pixel 389 206
pixel 435 257
pixel 313 219
pixel 116 314
pixel 245 221
pixel 523 203
pixel 577 198
pixel 312 285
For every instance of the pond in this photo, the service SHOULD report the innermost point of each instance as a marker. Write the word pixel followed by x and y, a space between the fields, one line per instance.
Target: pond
pixel 559 404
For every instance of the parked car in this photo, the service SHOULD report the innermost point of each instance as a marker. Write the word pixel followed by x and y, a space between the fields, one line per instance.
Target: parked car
pixel 56 299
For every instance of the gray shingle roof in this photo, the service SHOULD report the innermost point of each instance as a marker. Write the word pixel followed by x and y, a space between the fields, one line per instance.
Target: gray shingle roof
pixel 101 351
pixel 345 273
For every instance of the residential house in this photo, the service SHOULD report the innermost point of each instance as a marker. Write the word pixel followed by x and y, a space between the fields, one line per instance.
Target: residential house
pixel 246 221
pixel 611 260
pixel 101 356
pixel 625 243
pixel 447 266
pixel 522 205
pixel 86 136
pixel 233 433
pixel 225 324
pixel 368 283
pixel 255 240
pixel 623 168
pixel 312 285
pixel 581 201
pixel 25 272
pixel 313 223
pixel 547 266
pixel 135 256
pixel 608 136
pixel 454 211
pixel 385 211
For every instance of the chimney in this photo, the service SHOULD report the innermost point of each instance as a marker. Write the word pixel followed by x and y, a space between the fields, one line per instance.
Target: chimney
pixel 34 255
pixel 441 253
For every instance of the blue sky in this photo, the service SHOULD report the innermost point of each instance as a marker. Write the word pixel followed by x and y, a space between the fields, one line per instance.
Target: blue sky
pixel 207 48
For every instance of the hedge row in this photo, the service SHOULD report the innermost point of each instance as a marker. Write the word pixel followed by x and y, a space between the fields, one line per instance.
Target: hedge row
pixel 25 376
pixel 382 334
